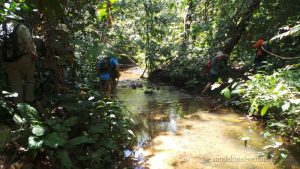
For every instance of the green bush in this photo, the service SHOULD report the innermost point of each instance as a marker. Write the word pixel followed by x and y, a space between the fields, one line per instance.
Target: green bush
pixel 276 99
pixel 89 138
pixel 275 96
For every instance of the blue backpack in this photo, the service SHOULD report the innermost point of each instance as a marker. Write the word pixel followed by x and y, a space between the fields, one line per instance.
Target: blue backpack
pixel 107 69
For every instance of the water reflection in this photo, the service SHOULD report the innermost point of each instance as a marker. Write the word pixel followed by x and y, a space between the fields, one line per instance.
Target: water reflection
pixel 172 123
pixel 154 113
pixel 157 112
pixel 175 130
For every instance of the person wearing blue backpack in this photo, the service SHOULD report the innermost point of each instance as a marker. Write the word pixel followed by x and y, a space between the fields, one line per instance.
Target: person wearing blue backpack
pixel 108 70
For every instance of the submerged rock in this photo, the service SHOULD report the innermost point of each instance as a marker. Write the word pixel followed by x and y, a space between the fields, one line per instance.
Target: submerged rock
pixel 149 92
pixel 136 84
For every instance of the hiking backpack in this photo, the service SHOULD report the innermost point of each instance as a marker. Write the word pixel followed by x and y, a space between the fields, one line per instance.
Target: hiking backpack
pixel 104 65
pixel 10 50
pixel 208 65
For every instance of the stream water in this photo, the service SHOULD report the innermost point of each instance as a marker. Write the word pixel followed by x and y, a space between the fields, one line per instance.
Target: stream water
pixel 175 130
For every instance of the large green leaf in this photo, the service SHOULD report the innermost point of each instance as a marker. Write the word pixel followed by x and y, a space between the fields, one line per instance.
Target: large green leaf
pixel 17 119
pixel 25 7
pixel 29 113
pixel 286 106
pixel 34 143
pixel 226 93
pixel 264 110
pixel 102 14
pixel 38 130
pixel 215 85
pixel 51 122
pixel 61 129
pixel 55 140
pixel 65 159
pixel 109 143
pixel 81 140
pixel 97 128
pixel 71 121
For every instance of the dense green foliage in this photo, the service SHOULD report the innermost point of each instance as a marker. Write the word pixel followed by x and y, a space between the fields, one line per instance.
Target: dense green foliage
pixel 179 37
pixel 275 98
pixel 176 37
pixel 98 131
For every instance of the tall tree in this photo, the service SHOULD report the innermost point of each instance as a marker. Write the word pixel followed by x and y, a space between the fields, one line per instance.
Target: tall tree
pixel 236 31
pixel 187 26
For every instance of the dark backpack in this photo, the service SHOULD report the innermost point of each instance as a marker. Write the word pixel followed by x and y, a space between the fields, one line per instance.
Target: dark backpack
pixel 106 67
pixel 208 66
pixel 9 44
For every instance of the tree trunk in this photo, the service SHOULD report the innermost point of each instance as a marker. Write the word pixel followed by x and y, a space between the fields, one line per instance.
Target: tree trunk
pixel 109 17
pixel 187 27
pixel 107 24
pixel 237 30
pixel 205 12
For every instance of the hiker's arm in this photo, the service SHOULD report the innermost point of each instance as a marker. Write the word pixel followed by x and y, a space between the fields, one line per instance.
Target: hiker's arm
pixel 115 62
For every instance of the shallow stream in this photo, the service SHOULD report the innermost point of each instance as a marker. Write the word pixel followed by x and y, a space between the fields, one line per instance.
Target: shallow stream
pixel 176 130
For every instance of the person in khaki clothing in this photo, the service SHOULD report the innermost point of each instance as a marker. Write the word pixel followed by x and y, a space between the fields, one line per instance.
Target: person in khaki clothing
pixel 21 69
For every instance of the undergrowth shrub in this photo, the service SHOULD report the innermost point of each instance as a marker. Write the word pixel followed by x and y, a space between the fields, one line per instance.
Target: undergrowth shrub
pixel 91 137
pixel 276 98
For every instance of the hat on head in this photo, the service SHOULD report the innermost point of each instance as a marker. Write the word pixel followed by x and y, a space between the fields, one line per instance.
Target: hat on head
pixel 222 56
pixel 219 53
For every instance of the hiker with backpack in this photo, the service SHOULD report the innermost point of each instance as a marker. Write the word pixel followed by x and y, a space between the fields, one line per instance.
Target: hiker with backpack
pixel 19 55
pixel 214 67
pixel 108 70
pixel 260 53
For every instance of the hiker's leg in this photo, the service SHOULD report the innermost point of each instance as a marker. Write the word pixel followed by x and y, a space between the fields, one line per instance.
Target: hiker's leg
pixel 28 69
pixel 102 88
pixel 113 85
pixel 105 88
pixel 15 80
pixel 257 66
pixel 206 87
pixel 212 78
pixel 258 62
pixel 109 89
